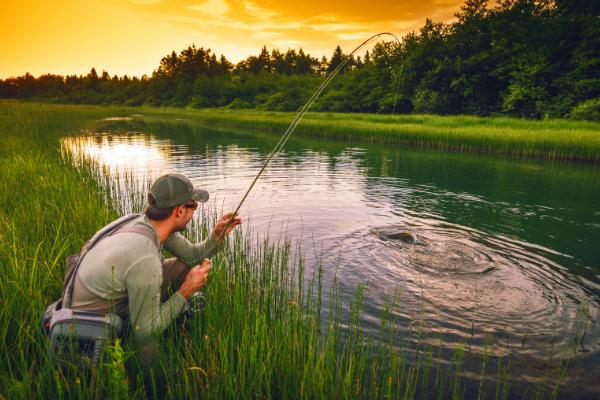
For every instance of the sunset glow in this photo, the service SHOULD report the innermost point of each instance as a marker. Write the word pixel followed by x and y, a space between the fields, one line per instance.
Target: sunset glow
pixel 130 37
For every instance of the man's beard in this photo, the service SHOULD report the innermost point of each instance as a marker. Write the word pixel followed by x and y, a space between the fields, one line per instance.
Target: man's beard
pixel 182 228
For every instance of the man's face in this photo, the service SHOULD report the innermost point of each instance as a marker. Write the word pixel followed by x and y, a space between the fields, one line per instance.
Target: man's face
pixel 184 214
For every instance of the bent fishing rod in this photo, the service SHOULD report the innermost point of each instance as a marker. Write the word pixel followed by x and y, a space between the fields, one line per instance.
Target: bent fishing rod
pixel 300 114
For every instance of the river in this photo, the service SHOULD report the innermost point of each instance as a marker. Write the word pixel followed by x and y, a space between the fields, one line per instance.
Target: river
pixel 507 251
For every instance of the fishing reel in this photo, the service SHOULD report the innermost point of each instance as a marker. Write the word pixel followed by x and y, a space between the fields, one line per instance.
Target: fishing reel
pixel 197 303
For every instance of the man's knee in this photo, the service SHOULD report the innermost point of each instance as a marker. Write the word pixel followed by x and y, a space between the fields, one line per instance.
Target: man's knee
pixel 174 273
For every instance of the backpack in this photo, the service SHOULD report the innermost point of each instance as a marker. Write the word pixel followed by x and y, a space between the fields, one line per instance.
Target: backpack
pixel 77 335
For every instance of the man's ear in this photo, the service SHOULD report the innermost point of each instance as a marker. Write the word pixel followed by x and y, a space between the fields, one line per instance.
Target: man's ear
pixel 177 212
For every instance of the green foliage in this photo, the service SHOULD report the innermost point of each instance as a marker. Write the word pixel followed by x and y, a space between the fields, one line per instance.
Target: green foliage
pixel 550 139
pixel 429 102
pixel 239 104
pixel 334 100
pixel 114 363
pixel 526 94
pixel 587 110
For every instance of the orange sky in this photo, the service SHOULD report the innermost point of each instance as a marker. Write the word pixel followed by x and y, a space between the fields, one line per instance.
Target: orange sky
pixel 130 36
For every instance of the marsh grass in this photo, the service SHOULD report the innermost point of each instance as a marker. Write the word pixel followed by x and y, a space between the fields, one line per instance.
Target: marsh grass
pixel 545 139
pixel 265 332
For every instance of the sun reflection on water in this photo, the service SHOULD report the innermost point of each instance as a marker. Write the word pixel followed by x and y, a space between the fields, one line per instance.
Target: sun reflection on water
pixel 131 161
pixel 124 154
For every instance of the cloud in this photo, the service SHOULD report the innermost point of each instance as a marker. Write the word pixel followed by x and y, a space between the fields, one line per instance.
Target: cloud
pixel 285 44
pixel 334 27
pixel 354 35
pixel 259 12
pixel 144 2
pixel 372 12
pixel 265 35
pixel 311 24
pixel 215 8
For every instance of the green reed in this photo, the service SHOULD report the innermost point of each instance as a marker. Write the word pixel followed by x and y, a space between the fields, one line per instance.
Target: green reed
pixel 547 139
pixel 265 331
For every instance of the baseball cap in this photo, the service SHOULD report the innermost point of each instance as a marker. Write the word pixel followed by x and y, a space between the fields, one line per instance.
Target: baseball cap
pixel 173 189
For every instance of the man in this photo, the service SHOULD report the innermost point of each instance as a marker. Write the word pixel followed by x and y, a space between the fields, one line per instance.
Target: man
pixel 124 272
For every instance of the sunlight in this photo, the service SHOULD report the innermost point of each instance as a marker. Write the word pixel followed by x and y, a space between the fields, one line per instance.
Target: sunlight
pixel 120 154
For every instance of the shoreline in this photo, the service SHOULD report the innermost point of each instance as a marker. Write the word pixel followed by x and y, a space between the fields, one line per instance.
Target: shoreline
pixel 561 140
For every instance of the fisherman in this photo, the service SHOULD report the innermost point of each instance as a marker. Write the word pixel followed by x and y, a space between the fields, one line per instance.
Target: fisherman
pixel 125 274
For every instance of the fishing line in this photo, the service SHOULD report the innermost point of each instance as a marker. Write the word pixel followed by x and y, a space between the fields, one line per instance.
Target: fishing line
pixel 303 110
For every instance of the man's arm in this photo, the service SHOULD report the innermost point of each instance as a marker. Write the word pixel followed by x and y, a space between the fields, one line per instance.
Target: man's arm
pixel 188 252
pixel 148 316
pixel 193 254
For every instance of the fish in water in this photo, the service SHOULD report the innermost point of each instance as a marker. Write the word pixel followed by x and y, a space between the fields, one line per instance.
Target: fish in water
pixel 403 235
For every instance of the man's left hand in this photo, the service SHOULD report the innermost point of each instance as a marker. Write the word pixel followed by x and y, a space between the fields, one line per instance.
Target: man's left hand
pixel 228 221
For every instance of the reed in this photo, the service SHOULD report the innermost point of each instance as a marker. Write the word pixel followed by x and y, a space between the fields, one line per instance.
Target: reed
pixel 546 139
pixel 265 332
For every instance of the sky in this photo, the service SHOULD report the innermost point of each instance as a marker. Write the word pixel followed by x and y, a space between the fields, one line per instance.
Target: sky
pixel 131 36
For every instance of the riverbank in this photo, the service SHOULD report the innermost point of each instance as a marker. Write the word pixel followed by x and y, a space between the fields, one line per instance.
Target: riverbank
pixel 260 334
pixel 564 140
pixel 551 139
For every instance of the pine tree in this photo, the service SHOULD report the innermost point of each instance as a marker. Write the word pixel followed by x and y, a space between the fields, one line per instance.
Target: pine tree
pixel 336 59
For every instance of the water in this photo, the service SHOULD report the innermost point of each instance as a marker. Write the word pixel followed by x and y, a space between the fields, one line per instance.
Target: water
pixel 507 254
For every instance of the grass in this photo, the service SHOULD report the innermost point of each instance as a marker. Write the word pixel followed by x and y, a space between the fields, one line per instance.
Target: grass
pixel 265 332
pixel 550 139
pixel 546 139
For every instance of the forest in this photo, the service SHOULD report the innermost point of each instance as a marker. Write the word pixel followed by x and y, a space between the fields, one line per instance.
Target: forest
pixel 523 58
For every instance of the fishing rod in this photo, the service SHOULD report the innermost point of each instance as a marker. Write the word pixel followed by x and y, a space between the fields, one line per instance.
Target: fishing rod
pixel 300 114
pixel 290 129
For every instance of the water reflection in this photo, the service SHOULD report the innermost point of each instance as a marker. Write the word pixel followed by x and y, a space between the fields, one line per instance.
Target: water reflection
pixel 140 154
pixel 505 248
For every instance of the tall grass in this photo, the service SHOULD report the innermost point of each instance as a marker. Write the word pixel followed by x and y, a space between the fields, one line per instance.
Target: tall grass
pixel 265 332
pixel 548 139
pixel 48 207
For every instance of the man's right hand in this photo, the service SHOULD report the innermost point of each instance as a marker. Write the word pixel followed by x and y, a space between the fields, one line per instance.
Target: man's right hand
pixel 195 279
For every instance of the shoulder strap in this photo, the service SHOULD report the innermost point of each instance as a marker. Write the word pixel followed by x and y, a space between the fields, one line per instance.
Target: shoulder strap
pixel 102 233
pixel 110 228
pixel 142 230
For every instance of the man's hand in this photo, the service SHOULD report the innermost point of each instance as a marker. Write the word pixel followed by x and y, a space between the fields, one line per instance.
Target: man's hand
pixel 228 220
pixel 195 279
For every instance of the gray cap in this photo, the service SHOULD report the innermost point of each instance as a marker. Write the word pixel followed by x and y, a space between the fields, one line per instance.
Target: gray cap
pixel 173 189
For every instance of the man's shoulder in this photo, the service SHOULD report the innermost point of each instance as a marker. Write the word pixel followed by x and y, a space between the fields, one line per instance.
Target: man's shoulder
pixel 119 253
pixel 141 227
pixel 133 236
pixel 129 243
pixel 135 223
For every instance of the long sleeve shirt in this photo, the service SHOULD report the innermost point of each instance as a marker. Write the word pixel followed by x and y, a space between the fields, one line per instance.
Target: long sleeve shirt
pixel 123 273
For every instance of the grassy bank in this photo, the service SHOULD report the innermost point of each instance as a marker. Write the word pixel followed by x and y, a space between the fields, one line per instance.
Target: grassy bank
pixel 551 139
pixel 259 336
pixel 547 139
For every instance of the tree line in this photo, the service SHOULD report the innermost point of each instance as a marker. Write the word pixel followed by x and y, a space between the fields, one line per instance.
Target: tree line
pixel 526 58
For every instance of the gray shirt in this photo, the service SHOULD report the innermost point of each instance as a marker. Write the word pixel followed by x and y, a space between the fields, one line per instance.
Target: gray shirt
pixel 123 274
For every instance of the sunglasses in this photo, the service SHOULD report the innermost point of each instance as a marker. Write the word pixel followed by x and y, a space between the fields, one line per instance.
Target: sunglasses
pixel 192 206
